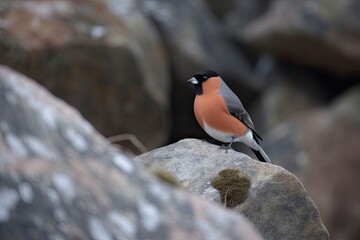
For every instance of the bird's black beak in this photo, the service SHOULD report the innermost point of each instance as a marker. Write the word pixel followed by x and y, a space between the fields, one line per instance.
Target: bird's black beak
pixel 193 81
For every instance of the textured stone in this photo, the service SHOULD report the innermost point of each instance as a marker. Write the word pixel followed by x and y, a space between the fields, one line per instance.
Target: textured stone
pixel 242 12
pixel 292 91
pixel 103 57
pixel 60 179
pixel 319 33
pixel 321 148
pixel 277 203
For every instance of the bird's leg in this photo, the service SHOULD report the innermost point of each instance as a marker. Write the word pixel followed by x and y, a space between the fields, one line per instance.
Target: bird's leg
pixel 227 147
pixel 208 141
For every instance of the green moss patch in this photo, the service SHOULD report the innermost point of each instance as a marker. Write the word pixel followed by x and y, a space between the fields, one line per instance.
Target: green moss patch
pixel 167 177
pixel 233 186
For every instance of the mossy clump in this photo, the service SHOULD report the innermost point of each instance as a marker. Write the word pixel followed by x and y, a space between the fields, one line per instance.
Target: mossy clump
pixel 167 177
pixel 233 186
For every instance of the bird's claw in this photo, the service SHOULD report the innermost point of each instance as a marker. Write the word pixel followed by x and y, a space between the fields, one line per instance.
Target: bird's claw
pixel 226 147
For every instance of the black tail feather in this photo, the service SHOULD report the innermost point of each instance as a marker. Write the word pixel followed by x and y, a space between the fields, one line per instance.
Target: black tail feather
pixel 258 155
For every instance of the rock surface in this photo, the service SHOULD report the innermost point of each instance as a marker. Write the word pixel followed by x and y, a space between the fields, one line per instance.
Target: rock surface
pixel 277 203
pixel 60 179
pixel 323 151
pixel 103 57
pixel 240 13
pixel 317 33
pixel 292 92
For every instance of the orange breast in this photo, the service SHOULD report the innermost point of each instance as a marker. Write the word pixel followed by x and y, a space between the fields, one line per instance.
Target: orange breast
pixel 210 108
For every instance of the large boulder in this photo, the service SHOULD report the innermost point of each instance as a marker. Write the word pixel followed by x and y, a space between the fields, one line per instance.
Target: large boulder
pixel 319 33
pixel 103 57
pixel 237 14
pixel 321 147
pixel 276 201
pixel 60 179
pixel 292 91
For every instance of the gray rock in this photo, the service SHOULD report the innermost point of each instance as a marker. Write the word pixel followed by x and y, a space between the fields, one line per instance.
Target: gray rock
pixel 321 147
pixel 60 179
pixel 277 202
pixel 241 12
pixel 221 8
pixel 291 92
pixel 103 57
pixel 320 33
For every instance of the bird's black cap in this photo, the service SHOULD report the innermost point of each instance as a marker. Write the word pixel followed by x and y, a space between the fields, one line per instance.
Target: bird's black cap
pixel 206 74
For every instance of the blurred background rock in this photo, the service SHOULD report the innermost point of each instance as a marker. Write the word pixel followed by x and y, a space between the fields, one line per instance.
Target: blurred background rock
pixel 123 64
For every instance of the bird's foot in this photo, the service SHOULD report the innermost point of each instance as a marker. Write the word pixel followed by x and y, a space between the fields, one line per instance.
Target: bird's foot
pixel 226 147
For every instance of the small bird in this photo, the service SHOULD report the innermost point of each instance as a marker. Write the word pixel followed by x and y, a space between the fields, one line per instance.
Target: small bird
pixel 221 114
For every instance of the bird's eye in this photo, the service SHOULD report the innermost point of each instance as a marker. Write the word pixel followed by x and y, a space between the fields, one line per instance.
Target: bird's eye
pixel 204 77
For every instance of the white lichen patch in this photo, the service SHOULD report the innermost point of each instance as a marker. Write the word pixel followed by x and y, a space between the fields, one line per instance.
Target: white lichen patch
pixel 150 216
pixel 86 127
pixel 123 163
pixel 65 186
pixel 8 200
pixel 38 147
pixel 97 32
pixel 121 7
pixel 210 193
pixel 76 139
pixel 16 145
pixel 49 117
pixel 44 111
pixel 53 196
pixel 26 192
pixel 161 11
pixel 160 192
pixel 123 224
pixel 98 230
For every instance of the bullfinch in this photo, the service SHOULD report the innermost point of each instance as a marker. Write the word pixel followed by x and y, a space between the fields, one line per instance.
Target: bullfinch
pixel 221 114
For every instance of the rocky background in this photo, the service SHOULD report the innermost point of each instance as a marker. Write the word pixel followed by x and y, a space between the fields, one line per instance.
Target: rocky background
pixel 123 64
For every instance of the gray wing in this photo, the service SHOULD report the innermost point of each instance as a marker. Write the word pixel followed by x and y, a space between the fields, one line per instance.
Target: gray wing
pixel 236 108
